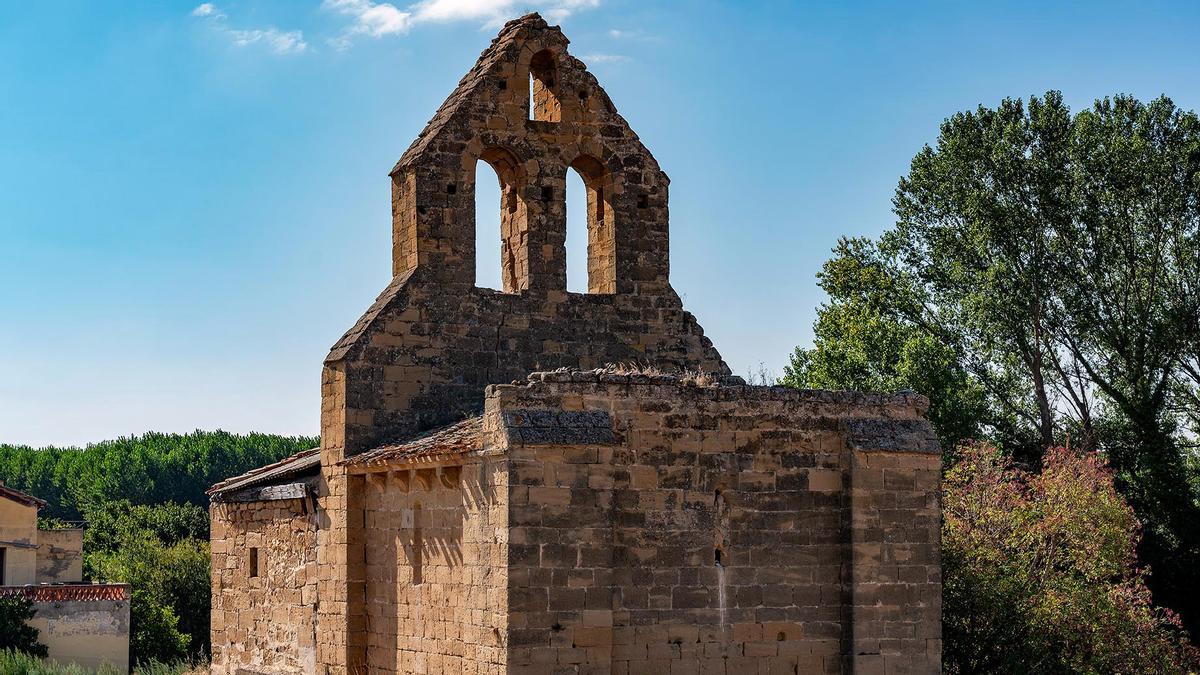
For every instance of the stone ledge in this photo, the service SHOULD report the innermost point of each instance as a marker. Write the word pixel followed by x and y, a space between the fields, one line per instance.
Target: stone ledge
pixel 729 386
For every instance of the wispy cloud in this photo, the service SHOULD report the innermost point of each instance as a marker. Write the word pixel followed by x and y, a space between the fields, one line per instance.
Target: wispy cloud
pixel 605 58
pixel 378 19
pixel 372 19
pixel 636 34
pixel 278 41
pixel 207 9
pixel 495 10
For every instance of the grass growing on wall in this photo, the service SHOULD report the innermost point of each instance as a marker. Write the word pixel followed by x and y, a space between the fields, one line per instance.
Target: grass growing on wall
pixel 16 663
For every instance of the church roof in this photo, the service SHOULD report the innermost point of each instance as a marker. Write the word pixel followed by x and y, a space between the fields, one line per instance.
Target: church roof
pixel 21 497
pixel 457 439
pixel 299 463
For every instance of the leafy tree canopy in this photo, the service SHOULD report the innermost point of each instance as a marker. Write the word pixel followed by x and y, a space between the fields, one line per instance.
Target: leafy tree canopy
pixel 1042 282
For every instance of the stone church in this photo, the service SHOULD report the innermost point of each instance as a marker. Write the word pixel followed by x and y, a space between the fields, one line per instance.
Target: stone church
pixel 529 480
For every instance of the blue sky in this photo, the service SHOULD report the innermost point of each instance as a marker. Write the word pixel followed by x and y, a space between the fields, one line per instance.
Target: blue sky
pixel 194 201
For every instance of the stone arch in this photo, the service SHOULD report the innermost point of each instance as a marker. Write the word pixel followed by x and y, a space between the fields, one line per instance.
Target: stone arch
pixel 601 223
pixel 514 216
pixel 545 105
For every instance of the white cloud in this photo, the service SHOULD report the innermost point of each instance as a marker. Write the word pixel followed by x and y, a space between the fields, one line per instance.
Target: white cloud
pixel 604 58
pixel 379 19
pixel 278 41
pixel 206 9
pixel 371 18
pixel 636 34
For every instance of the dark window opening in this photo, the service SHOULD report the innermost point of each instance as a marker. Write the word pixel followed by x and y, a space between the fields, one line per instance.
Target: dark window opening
pixel 643 202
pixel 253 561
pixel 451 189
pixel 418 546
pixel 2 552
pixel 717 557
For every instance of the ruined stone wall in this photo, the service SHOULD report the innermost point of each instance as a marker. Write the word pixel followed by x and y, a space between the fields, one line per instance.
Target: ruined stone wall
pixel 264 623
pixel 436 570
pixel 658 527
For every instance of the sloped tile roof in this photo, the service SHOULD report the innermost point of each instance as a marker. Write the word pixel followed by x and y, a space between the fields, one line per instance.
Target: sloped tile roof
pixel 300 462
pixel 457 439
pixel 21 497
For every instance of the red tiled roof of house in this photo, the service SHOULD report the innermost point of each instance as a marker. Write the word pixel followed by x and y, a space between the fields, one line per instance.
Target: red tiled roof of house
pixel 21 497
pixel 67 592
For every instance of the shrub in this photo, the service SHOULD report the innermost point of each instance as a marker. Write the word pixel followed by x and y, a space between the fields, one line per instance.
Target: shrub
pixel 1041 574
pixel 17 663
pixel 15 632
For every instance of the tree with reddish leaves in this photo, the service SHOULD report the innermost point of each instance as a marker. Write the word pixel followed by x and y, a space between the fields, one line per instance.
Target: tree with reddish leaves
pixel 1041 572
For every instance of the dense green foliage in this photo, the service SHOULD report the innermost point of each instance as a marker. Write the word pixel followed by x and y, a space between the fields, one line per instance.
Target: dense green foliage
pixel 152 468
pixel 1041 574
pixel 1042 282
pixel 146 521
pixel 16 663
pixel 15 632
pixel 162 553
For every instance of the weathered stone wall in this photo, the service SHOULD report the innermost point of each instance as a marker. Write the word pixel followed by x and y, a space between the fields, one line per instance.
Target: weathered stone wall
pixel 436 569
pixel 660 527
pixel 264 623
pixel 60 556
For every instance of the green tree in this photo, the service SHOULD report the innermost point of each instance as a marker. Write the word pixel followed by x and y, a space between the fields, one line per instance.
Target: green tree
pixel 15 631
pixel 109 524
pixel 150 469
pixel 162 552
pixel 863 342
pixel 171 602
pixel 1050 264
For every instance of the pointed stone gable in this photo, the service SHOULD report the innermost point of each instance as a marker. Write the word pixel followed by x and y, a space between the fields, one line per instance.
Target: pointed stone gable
pixel 422 354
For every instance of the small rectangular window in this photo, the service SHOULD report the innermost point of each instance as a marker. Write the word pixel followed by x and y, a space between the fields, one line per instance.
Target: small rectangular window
pixel 253 561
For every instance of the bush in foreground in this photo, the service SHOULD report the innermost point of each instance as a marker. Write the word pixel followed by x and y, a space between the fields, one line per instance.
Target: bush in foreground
pixel 15 632
pixel 18 663
pixel 1041 572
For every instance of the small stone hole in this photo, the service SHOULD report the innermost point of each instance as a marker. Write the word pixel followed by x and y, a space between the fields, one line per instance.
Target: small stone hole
pixel 547 193
pixel 781 637
pixel 717 557
pixel 502 84
pixel 451 189
pixel 643 202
